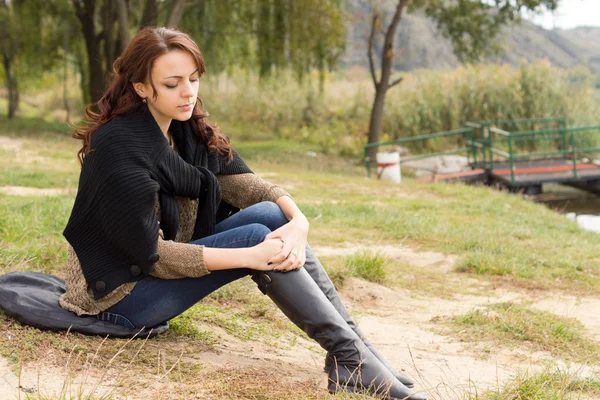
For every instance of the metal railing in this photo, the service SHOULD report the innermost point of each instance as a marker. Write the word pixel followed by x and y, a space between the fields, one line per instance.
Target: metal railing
pixel 532 122
pixel 566 137
pixel 485 144
pixel 481 134
pixel 465 133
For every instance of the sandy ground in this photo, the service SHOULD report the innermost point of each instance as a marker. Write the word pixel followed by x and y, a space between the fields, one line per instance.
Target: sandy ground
pixel 397 322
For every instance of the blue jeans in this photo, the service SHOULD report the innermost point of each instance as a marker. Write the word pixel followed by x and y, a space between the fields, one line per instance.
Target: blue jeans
pixel 154 300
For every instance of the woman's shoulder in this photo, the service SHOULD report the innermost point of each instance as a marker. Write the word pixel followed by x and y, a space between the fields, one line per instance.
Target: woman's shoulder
pixel 114 127
pixel 126 131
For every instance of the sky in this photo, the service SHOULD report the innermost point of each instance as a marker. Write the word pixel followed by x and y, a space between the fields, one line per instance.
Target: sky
pixel 570 14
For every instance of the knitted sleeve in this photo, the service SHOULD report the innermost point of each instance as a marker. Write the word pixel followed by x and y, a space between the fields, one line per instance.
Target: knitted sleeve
pixel 179 260
pixel 244 190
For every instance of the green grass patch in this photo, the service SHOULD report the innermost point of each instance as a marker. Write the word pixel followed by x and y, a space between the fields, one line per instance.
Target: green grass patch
pixel 32 126
pixel 37 177
pixel 513 324
pixel 365 264
pixel 494 233
pixel 31 232
pixel 546 385
pixel 368 265
pixel 184 325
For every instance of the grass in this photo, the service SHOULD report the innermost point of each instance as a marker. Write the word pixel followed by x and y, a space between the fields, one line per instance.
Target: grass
pixel 510 324
pixel 365 264
pixel 31 232
pixel 549 384
pixel 32 126
pixel 495 236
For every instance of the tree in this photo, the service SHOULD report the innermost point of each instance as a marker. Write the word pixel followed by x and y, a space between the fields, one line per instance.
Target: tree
pixel 29 42
pixel 268 35
pixel 473 26
pixel 104 42
pixel 8 58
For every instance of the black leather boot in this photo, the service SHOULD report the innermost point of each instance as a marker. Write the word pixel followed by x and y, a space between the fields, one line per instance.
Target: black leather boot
pixel 319 275
pixel 354 368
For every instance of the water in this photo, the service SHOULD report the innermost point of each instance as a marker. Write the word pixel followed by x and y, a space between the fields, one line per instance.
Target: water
pixel 584 210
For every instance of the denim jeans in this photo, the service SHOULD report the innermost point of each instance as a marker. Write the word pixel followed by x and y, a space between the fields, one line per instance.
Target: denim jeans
pixel 154 300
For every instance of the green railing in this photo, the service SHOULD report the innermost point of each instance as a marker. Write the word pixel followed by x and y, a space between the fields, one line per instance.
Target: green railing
pixel 481 134
pixel 501 144
pixel 466 134
pixel 534 124
pixel 485 144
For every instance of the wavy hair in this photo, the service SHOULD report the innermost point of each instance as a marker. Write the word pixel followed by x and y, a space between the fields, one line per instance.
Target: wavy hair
pixel 135 65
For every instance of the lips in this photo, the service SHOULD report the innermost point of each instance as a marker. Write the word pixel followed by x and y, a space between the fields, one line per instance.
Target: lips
pixel 187 106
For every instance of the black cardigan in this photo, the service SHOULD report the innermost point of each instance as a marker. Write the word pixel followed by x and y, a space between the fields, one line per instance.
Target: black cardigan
pixel 113 226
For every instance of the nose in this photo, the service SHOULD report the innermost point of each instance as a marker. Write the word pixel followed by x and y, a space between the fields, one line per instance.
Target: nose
pixel 187 90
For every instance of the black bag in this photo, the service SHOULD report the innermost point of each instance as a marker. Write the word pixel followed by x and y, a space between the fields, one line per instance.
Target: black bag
pixel 32 299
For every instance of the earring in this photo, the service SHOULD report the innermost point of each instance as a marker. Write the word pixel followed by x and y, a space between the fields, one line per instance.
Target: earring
pixel 144 101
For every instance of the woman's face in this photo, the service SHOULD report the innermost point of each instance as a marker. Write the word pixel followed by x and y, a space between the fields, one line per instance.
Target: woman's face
pixel 175 77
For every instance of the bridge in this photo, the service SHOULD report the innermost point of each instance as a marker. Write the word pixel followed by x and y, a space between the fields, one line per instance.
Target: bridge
pixel 519 159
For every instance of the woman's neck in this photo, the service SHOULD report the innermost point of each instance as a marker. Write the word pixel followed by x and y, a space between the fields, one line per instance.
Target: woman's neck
pixel 163 123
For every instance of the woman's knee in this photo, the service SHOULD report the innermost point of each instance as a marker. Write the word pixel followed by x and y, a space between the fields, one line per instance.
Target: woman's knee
pixel 257 232
pixel 268 214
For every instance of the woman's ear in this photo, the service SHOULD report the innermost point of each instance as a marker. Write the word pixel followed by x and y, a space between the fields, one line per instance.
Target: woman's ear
pixel 140 89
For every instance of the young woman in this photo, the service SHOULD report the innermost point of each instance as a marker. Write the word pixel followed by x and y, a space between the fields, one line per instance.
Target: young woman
pixel 154 230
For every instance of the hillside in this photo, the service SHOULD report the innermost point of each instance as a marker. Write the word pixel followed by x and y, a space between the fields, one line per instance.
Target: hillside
pixel 419 45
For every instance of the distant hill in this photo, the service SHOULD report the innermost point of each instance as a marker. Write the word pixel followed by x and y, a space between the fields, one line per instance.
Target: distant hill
pixel 419 45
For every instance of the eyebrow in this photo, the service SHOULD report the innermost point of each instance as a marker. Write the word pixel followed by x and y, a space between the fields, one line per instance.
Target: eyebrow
pixel 179 77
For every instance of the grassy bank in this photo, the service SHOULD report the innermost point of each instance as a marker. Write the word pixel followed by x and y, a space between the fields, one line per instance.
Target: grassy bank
pixel 495 234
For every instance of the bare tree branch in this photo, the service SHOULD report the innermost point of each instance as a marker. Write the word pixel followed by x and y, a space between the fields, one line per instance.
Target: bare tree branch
pixel 388 45
pixel 370 50
pixel 397 81
pixel 176 13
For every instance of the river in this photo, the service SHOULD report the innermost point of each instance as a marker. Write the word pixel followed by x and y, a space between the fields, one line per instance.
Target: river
pixel 582 208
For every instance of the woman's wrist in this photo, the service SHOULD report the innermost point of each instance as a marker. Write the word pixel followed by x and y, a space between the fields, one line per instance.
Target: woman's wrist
pixel 300 221
pixel 226 258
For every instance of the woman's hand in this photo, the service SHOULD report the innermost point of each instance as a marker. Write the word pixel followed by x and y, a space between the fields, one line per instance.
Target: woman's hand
pixel 262 253
pixel 293 252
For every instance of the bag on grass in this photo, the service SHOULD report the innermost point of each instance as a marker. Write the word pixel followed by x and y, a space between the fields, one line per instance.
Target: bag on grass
pixel 32 299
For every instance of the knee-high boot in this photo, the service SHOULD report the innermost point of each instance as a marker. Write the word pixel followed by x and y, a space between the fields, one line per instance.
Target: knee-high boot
pixel 319 275
pixel 354 368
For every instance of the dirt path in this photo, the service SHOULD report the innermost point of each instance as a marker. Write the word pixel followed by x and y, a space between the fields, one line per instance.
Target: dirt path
pixel 31 191
pixel 397 322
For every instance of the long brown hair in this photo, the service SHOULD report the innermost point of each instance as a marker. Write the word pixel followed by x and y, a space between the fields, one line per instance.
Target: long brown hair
pixel 135 65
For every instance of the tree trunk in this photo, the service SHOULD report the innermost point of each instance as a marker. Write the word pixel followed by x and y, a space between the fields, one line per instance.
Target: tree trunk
pixel 108 21
pixel 176 14
pixel 384 84
pixel 150 16
pixel 85 11
pixel 8 59
pixel 13 88
pixel 123 20
pixel 376 121
pixel 65 76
